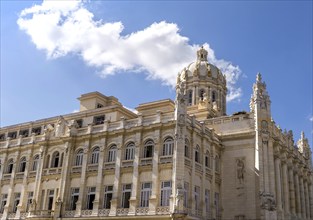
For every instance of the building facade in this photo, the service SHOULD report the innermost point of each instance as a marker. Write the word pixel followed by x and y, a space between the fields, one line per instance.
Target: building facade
pixel 182 159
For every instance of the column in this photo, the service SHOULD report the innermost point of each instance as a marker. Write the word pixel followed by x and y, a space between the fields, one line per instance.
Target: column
pixel 307 203
pixel 79 204
pixel 116 188
pixel 194 97
pixel 292 192
pixel 286 187
pixel 311 199
pixel 278 185
pixel 298 198
pixel 37 191
pixel 135 179
pixel 96 202
pixel 302 197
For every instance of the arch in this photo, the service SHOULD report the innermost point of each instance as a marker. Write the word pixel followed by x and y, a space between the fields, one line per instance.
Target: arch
pixel 112 153
pixel 148 149
pixel 10 166
pixel 130 151
pixel 79 157
pixel 94 159
pixel 168 146
pixel 22 164
pixel 55 160
pixel 214 96
pixel 35 162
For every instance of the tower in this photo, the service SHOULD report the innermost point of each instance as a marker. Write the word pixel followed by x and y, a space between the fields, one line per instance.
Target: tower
pixel 205 88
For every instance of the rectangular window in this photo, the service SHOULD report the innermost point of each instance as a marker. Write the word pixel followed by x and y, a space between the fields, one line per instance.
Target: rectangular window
pixel 99 120
pixel 186 194
pixel 108 194
pixel 197 197
pixel 17 197
pixel 79 123
pixel 2 137
pixel 216 203
pixel 3 201
pixel 12 134
pixel 24 133
pixel 36 131
pixel 91 197
pixel 207 161
pixel 50 194
pixel 166 191
pixel 74 198
pixel 207 201
pixel 145 194
pixel 99 105
pixel 127 189
pixel 29 200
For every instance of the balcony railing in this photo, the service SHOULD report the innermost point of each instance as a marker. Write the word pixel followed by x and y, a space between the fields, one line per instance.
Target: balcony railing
pixel 127 163
pixel 19 175
pixel 42 213
pixel 51 171
pixel 166 159
pixel 198 167
pixel 104 212
pixel 187 162
pixel 70 213
pixel 32 173
pixel 109 165
pixel 6 176
pixel 146 161
pixel 122 211
pixel 76 169
pixel 142 211
pixel 163 210
pixel 92 167
pixel 86 212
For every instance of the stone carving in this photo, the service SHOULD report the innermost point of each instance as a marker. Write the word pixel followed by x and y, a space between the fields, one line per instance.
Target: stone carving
pixel 215 107
pixel 240 170
pixel 179 205
pixel 267 201
pixel 33 205
pixel 60 127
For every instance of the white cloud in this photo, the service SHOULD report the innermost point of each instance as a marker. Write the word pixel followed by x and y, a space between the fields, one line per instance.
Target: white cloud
pixel 311 119
pixel 63 27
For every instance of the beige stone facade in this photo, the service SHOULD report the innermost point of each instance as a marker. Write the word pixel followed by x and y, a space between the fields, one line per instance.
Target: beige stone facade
pixel 182 159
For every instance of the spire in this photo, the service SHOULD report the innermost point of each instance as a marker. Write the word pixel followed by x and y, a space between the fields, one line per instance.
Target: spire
pixel 259 77
pixel 202 54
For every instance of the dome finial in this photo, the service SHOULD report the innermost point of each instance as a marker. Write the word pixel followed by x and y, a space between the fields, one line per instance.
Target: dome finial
pixel 202 54
pixel 259 77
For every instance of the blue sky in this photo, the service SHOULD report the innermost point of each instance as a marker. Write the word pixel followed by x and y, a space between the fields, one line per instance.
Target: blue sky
pixel 134 49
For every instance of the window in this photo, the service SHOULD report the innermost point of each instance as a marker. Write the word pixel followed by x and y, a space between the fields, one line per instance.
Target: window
pixel 36 131
pixel 30 196
pixel 108 194
pixel 148 149
pixel 55 159
pixel 24 133
pixel 95 155
pixel 217 164
pixel 99 120
pixel 50 198
pixel 168 146
pixel 187 148
pixel 207 159
pixel 127 189
pixel 190 97
pixel 166 191
pixel 130 151
pixel 12 135
pixel 74 198
pixel 3 201
pixel 197 154
pixel 186 194
pixel 207 200
pixel 145 194
pixel 201 94
pixel 79 158
pixel 91 197
pixel 197 197
pixel 35 162
pixel 16 201
pixel 22 166
pixel 79 123
pixel 213 96
pixel 10 166
pixel 112 153
pixel 216 203
pixel 99 105
pixel 2 137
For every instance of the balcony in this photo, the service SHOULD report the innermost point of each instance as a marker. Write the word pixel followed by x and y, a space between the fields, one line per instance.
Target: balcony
pixel 109 165
pixel 104 212
pixel 146 161
pixel 76 169
pixel 187 162
pixel 163 210
pixel 42 213
pixel 86 212
pixel 198 167
pixel 142 211
pixel 127 163
pixel 92 167
pixel 166 159
pixel 122 211
pixel 19 175
pixel 70 213
pixel 32 174
pixel 52 171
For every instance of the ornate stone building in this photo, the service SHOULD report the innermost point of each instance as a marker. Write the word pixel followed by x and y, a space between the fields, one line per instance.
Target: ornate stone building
pixel 172 160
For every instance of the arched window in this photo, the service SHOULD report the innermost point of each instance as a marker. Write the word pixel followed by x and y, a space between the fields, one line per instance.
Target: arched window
pixel 190 97
pixel 207 159
pixel 35 162
pixel 217 164
pixel 55 159
pixel 79 158
pixel 168 146
pixel 197 154
pixel 47 162
pixel 201 94
pixel 148 149
pixel 22 165
pixel 187 148
pixel 130 151
pixel 112 153
pixel 95 155
pixel 213 96
pixel 10 166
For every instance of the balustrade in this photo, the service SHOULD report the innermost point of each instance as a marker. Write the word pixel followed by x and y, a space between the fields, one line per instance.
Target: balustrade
pixel 146 161
pixel 122 211
pixel 166 159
